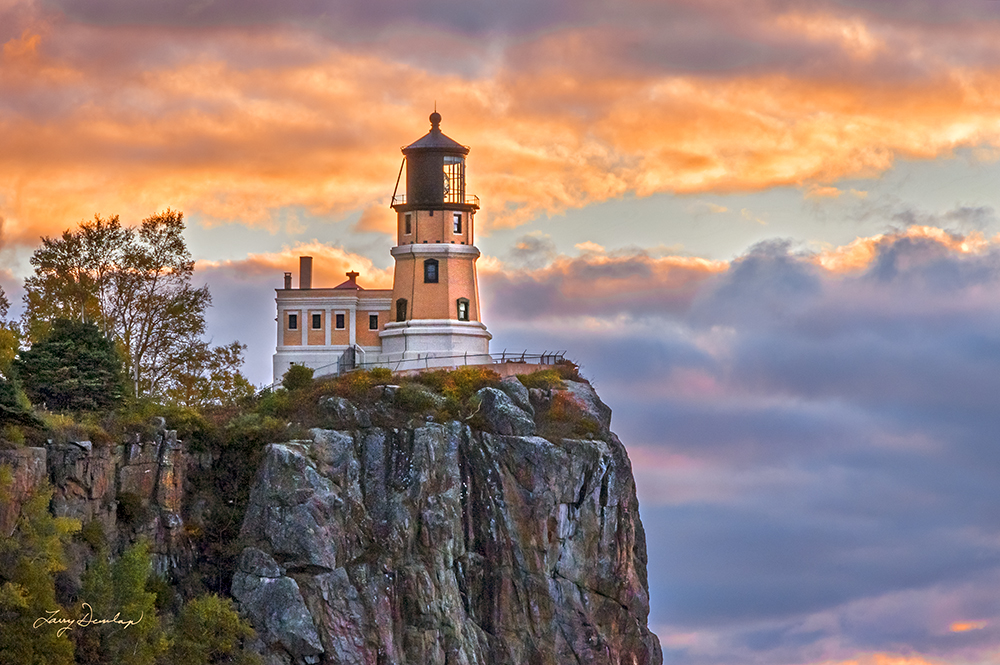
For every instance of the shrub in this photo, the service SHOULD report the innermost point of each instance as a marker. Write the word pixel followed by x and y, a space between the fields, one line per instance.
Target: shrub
pixel 275 403
pixel 251 432
pixel 11 436
pixel 568 370
pixel 567 417
pixel 130 509
pixel 297 377
pixel 355 385
pixel 543 378
pixel 209 630
pixel 380 375
pixel 62 428
pixel 464 382
pixel 414 398
pixel 434 379
pixel 197 432
pixel 92 533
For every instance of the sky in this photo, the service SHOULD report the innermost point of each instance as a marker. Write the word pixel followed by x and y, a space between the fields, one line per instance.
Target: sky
pixel 767 231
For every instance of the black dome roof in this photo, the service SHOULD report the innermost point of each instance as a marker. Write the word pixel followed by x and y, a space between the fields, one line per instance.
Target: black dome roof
pixel 435 140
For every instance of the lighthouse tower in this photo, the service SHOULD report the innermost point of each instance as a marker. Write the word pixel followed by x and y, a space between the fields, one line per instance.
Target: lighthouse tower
pixel 435 294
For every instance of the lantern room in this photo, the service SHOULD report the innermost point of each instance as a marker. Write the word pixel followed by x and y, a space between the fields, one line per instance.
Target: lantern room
pixel 435 174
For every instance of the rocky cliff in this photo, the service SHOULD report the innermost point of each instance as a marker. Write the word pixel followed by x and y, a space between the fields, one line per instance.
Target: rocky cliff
pixel 89 483
pixel 403 531
pixel 440 543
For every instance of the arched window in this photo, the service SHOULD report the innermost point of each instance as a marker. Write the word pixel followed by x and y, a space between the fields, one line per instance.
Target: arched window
pixel 463 309
pixel 401 309
pixel 431 271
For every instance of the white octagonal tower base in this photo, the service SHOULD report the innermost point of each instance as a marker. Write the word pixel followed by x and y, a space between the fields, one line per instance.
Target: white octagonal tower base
pixel 423 343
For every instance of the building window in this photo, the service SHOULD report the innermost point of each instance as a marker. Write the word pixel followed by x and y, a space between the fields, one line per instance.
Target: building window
pixel 340 322
pixel 373 322
pixel 463 309
pixel 317 321
pixel 431 271
pixel 457 222
pixel 293 321
pixel 407 225
pixel 401 309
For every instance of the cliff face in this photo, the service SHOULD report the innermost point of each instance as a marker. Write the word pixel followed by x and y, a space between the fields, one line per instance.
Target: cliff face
pixel 382 542
pixel 89 481
pixel 443 544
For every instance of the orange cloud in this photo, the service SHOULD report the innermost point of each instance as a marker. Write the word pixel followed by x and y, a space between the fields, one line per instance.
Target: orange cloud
pixel 821 192
pixel 883 659
pixel 851 33
pixel 965 626
pixel 377 219
pixel 274 118
pixel 859 254
pixel 329 266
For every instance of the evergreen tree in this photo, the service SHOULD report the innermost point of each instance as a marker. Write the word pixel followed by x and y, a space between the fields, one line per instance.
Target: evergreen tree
pixel 75 368
pixel 15 409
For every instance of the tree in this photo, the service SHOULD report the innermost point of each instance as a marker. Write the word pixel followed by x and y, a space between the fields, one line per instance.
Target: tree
pixel 297 376
pixel 15 409
pixel 210 376
pixel 29 559
pixel 134 283
pixel 9 338
pixel 119 588
pixel 75 368
pixel 210 632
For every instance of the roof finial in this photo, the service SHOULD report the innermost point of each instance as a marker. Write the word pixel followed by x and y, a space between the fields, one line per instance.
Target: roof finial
pixel 435 119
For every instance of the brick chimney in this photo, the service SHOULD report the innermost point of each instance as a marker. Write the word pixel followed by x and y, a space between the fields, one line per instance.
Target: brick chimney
pixel 305 272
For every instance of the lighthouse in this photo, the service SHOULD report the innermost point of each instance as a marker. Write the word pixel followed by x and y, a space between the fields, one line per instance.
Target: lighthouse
pixel 430 317
pixel 435 293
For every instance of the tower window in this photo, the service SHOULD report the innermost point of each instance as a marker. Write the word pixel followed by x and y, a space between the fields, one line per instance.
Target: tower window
pixel 340 322
pixel 293 321
pixel 317 321
pixel 431 271
pixel 401 309
pixel 457 222
pixel 407 224
pixel 463 309
pixel 373 322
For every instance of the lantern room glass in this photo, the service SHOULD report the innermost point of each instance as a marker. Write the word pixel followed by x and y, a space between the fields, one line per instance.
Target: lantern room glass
pixel 454 179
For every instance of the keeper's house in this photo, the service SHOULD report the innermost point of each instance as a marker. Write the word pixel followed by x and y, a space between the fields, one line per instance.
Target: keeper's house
pixel 430 317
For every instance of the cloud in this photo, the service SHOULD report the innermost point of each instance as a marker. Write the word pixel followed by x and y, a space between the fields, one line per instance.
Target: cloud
pixel 376 219
pixel 113 109
pixel 812 433
pixel 329 266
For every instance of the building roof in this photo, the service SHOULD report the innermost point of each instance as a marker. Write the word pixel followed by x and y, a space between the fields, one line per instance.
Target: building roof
pixel 436 140
pixel 351 283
